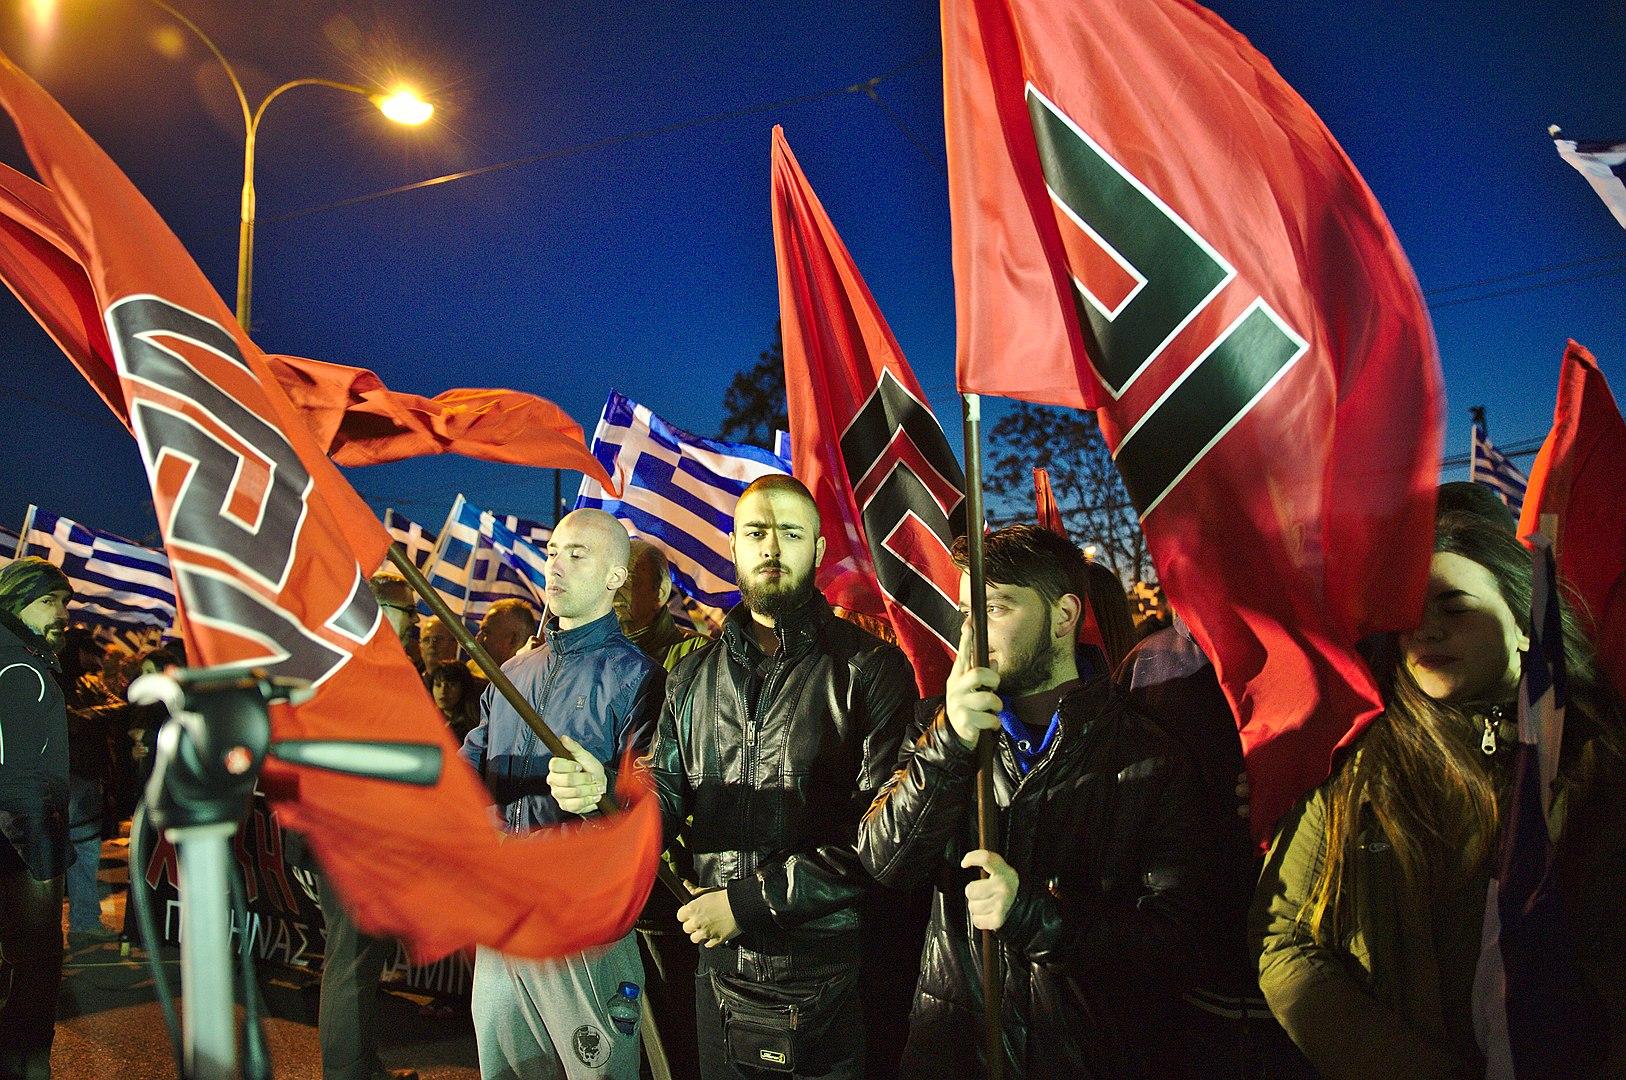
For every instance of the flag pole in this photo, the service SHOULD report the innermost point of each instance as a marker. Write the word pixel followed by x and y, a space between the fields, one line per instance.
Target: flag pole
pixel 493 671
pixel 987 826
pixel 22 536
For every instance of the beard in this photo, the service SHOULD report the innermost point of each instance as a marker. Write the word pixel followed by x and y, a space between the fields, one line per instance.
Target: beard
pixel 1029 665
pixel 778 599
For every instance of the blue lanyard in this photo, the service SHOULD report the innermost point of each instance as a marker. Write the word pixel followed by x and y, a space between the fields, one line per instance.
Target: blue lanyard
pixel 1026 750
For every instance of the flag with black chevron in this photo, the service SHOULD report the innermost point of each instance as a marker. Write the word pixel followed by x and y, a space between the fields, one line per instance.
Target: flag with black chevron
pixel 115 581
pixel 1149 222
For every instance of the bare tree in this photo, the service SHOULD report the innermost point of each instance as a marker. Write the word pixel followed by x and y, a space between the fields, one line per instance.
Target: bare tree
pixel 1090 494
pixel 754 403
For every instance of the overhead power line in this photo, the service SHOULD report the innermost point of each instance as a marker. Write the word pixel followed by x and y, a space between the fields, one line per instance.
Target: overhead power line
pixel 866 87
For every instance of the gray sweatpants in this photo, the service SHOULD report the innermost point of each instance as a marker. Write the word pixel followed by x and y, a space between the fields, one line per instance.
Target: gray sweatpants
pixel 546 1019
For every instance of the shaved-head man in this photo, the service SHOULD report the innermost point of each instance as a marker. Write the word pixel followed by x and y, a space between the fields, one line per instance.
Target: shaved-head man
pixel 549 1018
pixel 773 739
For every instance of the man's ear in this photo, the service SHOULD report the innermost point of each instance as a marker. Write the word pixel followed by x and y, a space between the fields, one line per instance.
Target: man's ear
pixel 1064 617
pixel 818 551
pixel 616 578
pixel 666 588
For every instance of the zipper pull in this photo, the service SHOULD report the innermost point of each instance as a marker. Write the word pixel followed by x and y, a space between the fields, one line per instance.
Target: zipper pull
pixel 1487 741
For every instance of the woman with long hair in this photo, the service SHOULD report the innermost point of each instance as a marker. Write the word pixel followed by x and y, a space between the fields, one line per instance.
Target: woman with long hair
pixel 1369 910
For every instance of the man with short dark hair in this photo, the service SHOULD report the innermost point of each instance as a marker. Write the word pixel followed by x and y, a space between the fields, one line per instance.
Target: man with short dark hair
pixel 34 849
pixel 774 736
pixel 507 625
pixel 1098 893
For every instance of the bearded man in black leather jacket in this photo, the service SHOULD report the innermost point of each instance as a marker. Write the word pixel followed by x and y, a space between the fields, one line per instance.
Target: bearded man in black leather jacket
pixel 1099 893
pixel 774 738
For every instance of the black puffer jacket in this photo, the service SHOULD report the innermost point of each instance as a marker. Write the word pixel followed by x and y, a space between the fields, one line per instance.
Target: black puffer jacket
pixel 1116 859
pixel 33 752
pixel 776 758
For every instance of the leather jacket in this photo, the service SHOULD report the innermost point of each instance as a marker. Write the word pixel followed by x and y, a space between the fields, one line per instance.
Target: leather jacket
pixel 1116 857
pixel 33 752
pixel 775 759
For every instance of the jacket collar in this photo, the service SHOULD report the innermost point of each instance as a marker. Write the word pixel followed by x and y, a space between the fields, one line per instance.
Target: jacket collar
pixel 795 631
pixel 581 638
pixel 659 635
pixel 29 640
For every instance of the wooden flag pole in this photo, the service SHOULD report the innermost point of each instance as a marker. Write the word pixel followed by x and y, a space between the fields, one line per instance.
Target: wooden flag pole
pixel 533 720
pixel 987 823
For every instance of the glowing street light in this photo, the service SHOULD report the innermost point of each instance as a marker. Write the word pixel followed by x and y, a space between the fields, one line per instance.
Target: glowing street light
pixel 404 106
pixel 400 105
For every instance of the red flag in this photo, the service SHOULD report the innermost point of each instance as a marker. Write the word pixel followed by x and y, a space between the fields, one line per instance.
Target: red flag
pixel 1578 476
pixel 271 551
pixel 865 441
pixel 1044 499
pixel 356 419
pixel 1150 222
pixel 1049 517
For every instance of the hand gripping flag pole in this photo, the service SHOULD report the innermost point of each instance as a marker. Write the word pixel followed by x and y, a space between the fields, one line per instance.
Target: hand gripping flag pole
pixel 987 826
pixel 493 671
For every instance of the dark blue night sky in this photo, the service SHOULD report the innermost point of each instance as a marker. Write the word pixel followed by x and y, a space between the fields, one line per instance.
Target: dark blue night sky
pixel 646 264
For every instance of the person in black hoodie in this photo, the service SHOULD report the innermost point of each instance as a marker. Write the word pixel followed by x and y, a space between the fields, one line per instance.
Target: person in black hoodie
pixel 33 813
pixel 1099 891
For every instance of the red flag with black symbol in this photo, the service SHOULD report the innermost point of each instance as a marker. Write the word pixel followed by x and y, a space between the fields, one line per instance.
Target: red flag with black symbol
pixel 1148 221
pixel 1578 476
pixel 271 552
pixel 889 489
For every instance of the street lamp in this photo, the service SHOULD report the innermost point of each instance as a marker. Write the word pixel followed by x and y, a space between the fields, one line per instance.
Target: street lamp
pixel 401 105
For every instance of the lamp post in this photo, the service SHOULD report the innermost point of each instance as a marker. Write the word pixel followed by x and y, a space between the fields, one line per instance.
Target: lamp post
pixel 400 105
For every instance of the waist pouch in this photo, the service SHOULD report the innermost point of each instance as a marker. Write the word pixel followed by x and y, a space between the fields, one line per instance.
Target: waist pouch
pixel 772 1026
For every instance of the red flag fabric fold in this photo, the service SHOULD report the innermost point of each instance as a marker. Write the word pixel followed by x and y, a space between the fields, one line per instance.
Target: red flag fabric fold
pixel 864 440
pixel 1148 221
pixel 271 551
pixel 1578 476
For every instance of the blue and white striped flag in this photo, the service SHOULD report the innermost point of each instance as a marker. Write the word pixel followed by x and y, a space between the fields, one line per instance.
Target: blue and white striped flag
pixel 8 545
pixel 1533 1015
pixel 479 561
pixel 1489 466
pixel 114 580
pixel 1604 166
pixel 418 541
pixel 678 492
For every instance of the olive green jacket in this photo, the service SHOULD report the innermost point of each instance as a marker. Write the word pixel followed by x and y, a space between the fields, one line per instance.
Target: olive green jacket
pixel 1394 1001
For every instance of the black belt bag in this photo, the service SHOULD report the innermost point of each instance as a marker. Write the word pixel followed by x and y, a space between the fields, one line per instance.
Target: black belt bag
pixel 770 1026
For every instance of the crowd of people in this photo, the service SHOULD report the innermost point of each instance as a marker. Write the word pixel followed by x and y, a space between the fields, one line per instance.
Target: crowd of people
pixel 824 821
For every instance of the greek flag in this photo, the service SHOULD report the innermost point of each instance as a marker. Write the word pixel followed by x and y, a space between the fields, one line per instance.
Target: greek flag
pixel 8 545
pixel 1604 166
pixel 1534 1014
pixel 114 581
pixel 1489 466
pixel 480 560
pixel 677 491
pixel 418 541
